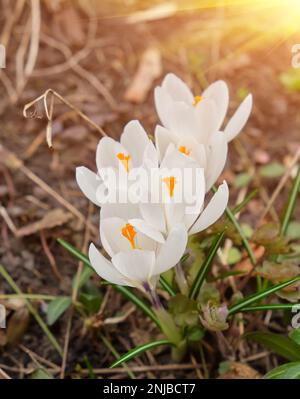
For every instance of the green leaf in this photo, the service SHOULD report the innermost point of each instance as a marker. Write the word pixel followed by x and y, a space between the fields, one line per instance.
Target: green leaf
pixel 295 336
pixel 166 286
pixel 289 209
pixel 85 275
pixel 195 334
pixel 139 350
pixel 271 306
pixel 242 180
pixel 260 295
pixel 234 256
pixel 202 273
pixel 91 302
pixel 123 290
pixel 245 202
pixel 41 374
pixel 279 344
pixel 272 170
pixel 56 308
pixel 238 228
pixel 288 371
pixel 293 230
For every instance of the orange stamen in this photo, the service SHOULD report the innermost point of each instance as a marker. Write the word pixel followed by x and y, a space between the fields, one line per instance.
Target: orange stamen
pixel 197 99
pixel 170 182
pixel 184 150
pixel 129 233
pixel 124 159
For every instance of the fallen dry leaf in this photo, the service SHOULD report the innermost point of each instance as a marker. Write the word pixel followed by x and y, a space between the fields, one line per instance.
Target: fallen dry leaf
pixel 239 371
pixel 53 218
pixel 150 68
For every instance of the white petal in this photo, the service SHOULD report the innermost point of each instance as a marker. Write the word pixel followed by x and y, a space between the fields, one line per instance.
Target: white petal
pixel 239 119
pixel 175 213
pixel 183 121
pixel 171 252
pixel 206 120
pixel 134 138
pixel 216 159
pixel 163 103
pixel 104 268
pixel 143 227
pixel 136 265
pixel 151 157
pixel 88 182
pixel 163 138
pixel 213 211
pixel 177 89
pixel 124 211
pixel 218 92
pixel 153 214
pixel 107 153
pixel 111 236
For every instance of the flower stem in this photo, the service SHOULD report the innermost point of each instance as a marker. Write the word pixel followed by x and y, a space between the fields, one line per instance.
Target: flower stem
pixel 180 279
pixel 167 323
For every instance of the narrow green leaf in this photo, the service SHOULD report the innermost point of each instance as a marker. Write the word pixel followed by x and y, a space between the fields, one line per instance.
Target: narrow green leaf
pixel 56 308
pixel 32 310
pixel 123 290
pixel 291 203
pixel 260 295
pixel 238 228
pixel 139 350
pixel 295 336
pixel 279 344
pixel 271 306
pixel 202 273
pixel 75 252
pixel 116 354
pixel 166 286
pixel 288 371
pixel 245 202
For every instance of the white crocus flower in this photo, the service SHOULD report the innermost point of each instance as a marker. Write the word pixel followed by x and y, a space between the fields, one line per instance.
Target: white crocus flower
pixel 120 156
pixel 193 123
pixel 163 216
pixel 137 260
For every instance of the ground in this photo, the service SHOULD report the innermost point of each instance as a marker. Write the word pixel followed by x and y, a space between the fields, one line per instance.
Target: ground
pixel 200 45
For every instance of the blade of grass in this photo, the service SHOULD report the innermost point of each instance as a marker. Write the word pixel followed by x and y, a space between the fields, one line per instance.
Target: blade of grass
pixel 37 297
pixel 291 203
pixel 31 309
pixel 202 273
pixel 138 350
pixel 238 228
pixel 277 343
pixel 123 290
pixel 243 203
pixel 260 295
pixel 271 306
pixel 116 355
pixel 166 286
